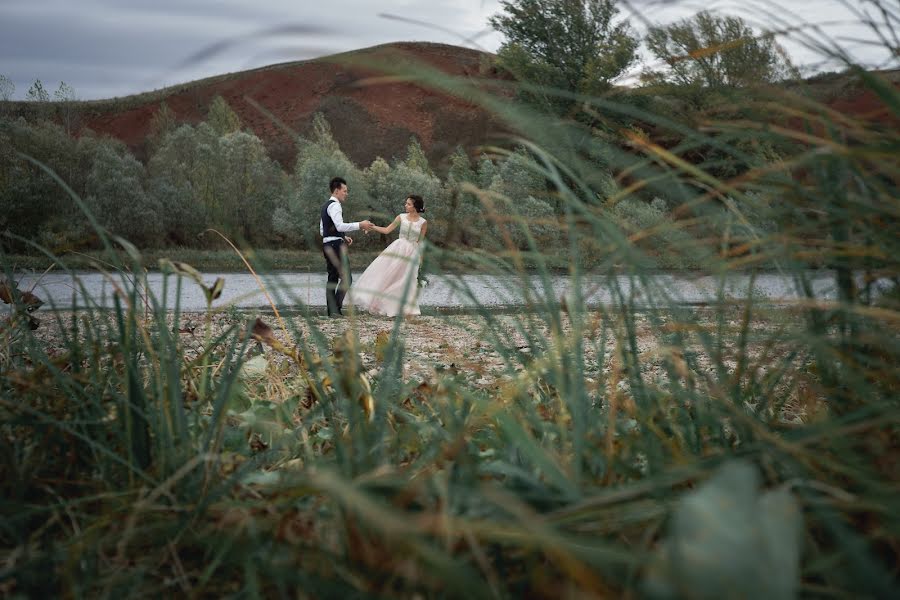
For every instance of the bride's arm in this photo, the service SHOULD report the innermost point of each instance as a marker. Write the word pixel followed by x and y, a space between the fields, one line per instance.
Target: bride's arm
pixel 389 228
pixel 423 232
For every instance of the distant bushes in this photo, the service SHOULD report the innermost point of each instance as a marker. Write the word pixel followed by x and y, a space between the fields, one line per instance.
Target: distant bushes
pixel 216 175
pixel 116 196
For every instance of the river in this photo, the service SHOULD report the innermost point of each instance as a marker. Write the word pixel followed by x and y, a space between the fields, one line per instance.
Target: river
pixel 295 289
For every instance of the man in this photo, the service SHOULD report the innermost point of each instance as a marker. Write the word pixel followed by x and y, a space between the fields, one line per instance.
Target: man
pixel 334 246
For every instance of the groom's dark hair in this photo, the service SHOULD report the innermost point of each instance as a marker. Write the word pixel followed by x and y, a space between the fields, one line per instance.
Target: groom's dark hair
pixel 336 183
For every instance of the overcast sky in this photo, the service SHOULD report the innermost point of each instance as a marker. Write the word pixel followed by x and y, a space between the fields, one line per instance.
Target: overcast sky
pixel 106 48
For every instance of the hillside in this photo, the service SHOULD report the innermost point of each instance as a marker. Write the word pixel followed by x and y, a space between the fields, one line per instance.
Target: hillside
pixel 370 115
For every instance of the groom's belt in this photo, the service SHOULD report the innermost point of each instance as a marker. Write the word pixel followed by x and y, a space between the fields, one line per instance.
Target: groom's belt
pixel 332 239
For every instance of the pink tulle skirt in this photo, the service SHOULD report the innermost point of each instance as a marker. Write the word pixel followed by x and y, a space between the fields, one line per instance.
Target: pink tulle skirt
pixel 390 284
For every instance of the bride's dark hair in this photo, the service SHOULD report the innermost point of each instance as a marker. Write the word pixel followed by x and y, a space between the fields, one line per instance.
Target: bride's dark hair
pixel 417 202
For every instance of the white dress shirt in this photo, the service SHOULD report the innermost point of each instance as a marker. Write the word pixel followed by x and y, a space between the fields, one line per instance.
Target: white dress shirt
pixel 336 212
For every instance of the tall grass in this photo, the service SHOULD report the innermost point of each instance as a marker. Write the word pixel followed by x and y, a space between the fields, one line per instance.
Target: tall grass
pixel 642 447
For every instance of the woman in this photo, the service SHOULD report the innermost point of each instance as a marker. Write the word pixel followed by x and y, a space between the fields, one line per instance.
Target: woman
pixel 389 285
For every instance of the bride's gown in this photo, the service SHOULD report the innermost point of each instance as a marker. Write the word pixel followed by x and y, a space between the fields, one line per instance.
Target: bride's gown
pixel 392 274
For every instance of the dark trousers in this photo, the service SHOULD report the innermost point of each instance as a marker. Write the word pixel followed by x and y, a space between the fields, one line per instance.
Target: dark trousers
pixel 339 277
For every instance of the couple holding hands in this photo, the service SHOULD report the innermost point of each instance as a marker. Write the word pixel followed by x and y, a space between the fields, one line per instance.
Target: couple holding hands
pixel 389 286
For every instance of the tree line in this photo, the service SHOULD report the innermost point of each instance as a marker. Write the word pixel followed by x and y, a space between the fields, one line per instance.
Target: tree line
pixel 217 175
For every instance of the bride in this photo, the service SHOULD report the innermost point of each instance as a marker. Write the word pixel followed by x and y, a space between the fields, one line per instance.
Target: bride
pixel 390 283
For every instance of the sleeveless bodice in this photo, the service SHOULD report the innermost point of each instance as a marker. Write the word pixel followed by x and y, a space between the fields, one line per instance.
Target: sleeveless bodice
pixel 410 230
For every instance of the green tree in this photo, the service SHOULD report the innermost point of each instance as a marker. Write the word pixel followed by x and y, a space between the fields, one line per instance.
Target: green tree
pixel 415 157
pixel 318 160
pixel 183 217
pixel 64 93
pixel 182 181
pixel 322 137
pixel 117 198
pixel 286 227
pixel 227 181
pixel 23 193
pixel 382 205
pixel 250 186
pixel 571 45
pixel 486 171
pixel 222 118
pixel 377 177
pixel 464 206
pixel 460 168
pixel 33 203
pixel 64 96
pixel 518 177
pixel 716 63
pixel 162 124
pixel 37 93
pixel 516 192
pixel 709 51
pixel 7 88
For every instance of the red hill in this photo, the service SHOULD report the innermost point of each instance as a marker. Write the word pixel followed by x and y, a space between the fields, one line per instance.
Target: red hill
pixel 370 115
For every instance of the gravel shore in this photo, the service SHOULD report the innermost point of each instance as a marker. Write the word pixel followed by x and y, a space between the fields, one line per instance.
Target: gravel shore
pixel 466 344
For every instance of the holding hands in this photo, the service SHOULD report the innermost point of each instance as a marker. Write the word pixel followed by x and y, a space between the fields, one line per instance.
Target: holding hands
pixel 368 226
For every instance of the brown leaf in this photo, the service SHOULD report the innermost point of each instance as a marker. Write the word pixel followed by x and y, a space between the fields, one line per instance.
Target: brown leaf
pixel 382 339
pixel 31 302
pixel 27 299
pixel 6 292
pixel 262 332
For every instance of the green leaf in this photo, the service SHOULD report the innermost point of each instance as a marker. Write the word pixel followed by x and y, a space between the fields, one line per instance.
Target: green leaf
pixel 726 539
pixel 254 368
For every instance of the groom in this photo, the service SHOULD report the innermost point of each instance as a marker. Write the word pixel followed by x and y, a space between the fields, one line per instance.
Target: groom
pixel 334 245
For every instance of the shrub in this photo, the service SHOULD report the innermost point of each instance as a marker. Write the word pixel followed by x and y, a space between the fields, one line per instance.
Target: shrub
pixel 515 191
pixel 285 225
pixel 250 186
pixel 32 200
pixel 182 216
pixel 224 181
pixel 118 201
pixel 661 238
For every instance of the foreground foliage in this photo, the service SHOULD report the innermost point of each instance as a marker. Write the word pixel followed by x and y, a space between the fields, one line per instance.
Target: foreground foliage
pixel 269 459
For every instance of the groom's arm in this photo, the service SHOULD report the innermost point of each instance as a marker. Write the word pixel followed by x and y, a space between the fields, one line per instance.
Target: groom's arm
pixel 337 215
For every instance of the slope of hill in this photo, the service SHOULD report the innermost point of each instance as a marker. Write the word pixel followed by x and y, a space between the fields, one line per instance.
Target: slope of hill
pixel 847 94
pixel 370 115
